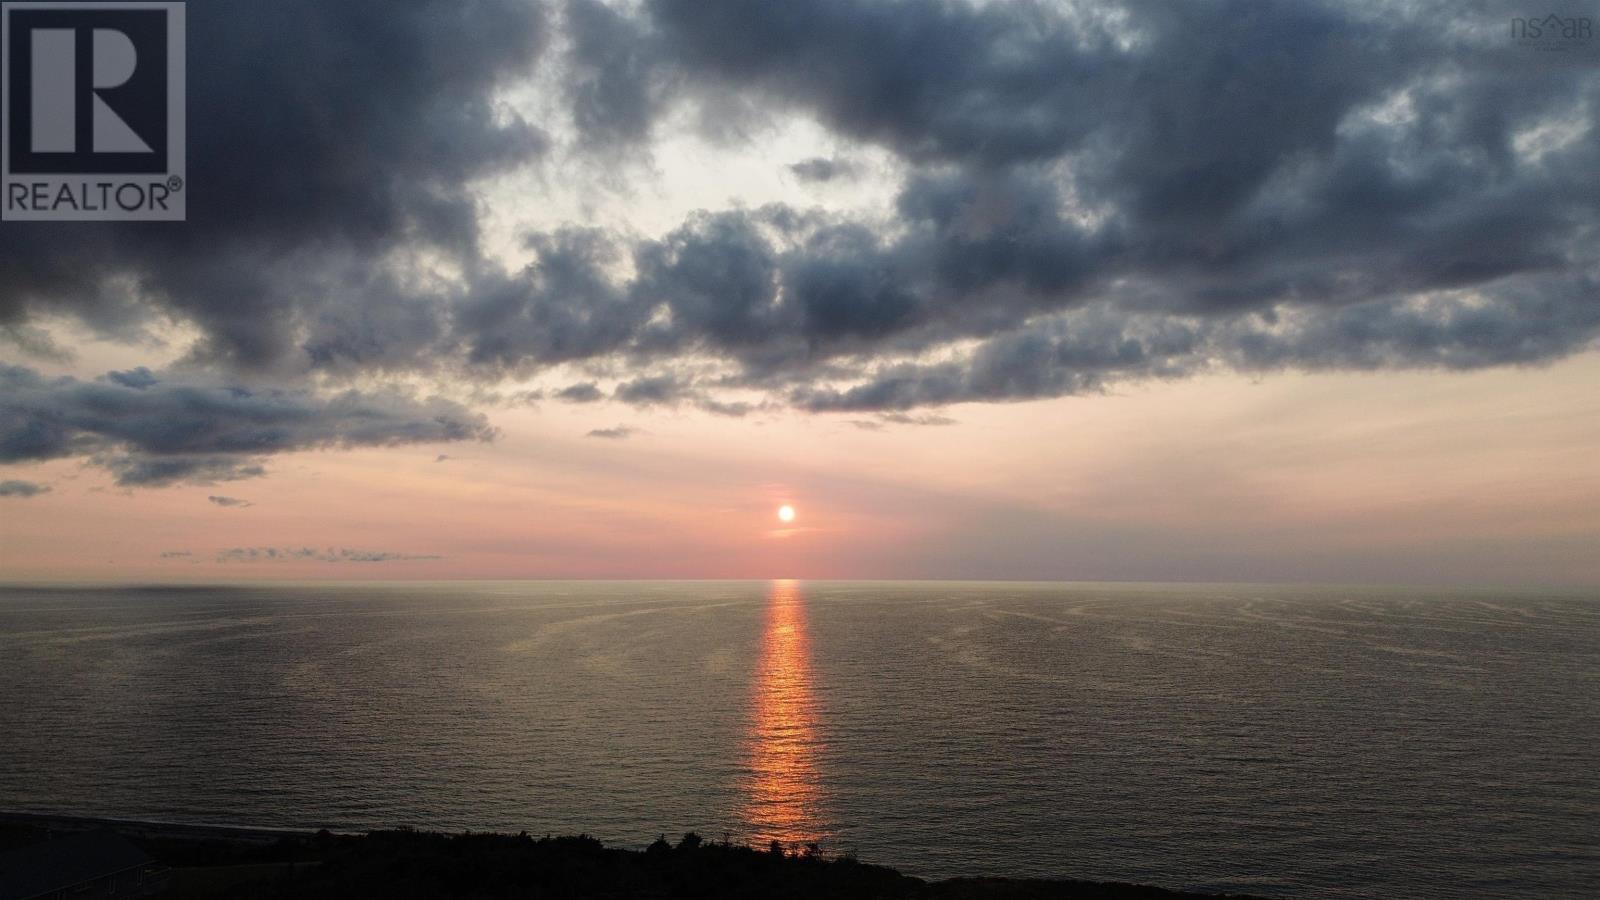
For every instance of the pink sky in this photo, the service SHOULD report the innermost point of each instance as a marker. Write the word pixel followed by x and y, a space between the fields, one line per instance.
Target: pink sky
pixel 1010 291
pixel 1487 477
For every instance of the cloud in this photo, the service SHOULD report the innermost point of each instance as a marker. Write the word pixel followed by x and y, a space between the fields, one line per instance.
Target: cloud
pixel 1088 350
pixel 563 308
pixel 334 145
pixel 176 554
pixel 15 488
pixel 736 409
pixel 313 554
pixel 831 313
pixel 652 390
pixel 1088 195
pixel 1402 194
pixel 585 392
pixel 899 418
pixel 229 501
pixel 163 431
pixel 138 378
pixel 611 80
pixel 33 341
pixel 822 169
pixel 620 432
pixel 928 420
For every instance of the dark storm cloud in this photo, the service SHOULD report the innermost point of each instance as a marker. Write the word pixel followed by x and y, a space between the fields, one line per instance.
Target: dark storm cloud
pixel 652 390
pixel 1242 143
pixel 1090 349
pixel 1000 82
pixel 583 392
pixel 140 470
pixel 1528 321
pixel 992 257
pixel 1139 192
pixel 322 137
pixel 565 307
pixel 159 431
pixel 717 277
pixel 612 81
pixel 1090 194
pixel 15 488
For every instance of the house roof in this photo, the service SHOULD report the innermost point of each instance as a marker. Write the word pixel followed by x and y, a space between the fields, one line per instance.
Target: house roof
pixel 53 865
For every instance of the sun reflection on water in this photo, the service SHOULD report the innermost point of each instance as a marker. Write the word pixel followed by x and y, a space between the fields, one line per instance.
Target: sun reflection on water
pixel 783 788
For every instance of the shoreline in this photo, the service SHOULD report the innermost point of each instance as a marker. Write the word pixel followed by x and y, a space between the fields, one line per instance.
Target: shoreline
pixel 217 860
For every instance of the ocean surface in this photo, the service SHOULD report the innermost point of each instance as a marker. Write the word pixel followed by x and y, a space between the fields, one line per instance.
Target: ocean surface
pixel 1306 742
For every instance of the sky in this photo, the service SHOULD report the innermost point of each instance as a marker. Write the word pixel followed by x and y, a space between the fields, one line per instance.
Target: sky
pixel 1219 291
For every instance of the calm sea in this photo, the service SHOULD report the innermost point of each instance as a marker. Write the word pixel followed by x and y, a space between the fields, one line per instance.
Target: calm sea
pixel 1329 742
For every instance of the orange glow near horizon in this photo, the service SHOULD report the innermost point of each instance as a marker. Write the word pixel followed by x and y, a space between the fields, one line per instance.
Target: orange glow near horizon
pixel 1476 478
pixel 784 786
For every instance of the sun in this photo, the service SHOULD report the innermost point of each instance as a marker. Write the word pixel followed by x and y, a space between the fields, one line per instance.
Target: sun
pixel 786 513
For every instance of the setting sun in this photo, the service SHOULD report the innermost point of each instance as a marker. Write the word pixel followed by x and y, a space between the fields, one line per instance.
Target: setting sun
pixel 786 513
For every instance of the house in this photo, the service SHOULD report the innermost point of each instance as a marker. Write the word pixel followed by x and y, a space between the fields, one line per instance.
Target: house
pixel 96 864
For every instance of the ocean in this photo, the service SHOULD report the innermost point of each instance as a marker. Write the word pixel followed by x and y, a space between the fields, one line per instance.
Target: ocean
pixel 1298 741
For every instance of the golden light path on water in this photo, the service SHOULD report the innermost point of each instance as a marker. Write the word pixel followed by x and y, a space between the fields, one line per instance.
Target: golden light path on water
pixel 784 786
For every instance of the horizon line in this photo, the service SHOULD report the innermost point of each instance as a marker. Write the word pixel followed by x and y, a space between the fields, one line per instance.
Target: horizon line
pixel 235 582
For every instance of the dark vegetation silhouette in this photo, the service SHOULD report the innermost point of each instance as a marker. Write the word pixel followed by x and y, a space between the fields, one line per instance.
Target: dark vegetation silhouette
pixel 409 864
